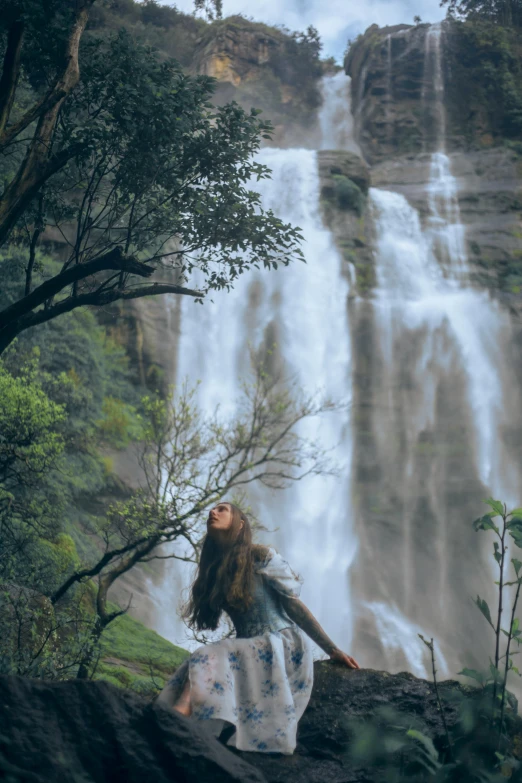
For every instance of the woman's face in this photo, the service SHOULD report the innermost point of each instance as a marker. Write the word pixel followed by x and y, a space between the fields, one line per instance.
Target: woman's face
pixel 219 519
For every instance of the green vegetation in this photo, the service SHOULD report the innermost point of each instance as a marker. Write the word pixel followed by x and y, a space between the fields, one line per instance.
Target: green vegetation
pixel 348 195
pixel 129 164
pixel 507 13
pixel 485 89
pixel 483 745
pixel 135 657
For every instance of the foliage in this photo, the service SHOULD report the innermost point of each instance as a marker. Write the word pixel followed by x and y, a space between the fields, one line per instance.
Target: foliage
pixel 348 194
pixel 503 12
pixel 485 61
pixel 480 747
pixel 309 43
pixel 134 656
pixel 67 394
pixel 170 31
pixel 137 172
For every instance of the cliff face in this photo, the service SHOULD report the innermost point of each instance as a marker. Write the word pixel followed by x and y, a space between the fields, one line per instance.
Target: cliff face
pixel 489 186
pixel 396 93
pixel 400 121
pixel 261 66
pixel 345 181
pixel 386 99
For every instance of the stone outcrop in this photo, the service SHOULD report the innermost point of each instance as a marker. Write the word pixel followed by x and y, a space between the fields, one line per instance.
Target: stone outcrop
pixel 386 66
pixel 79 730
pixel 343 701
pixel 395 97
pixel 91 731
pixel 261 66
pixel 345 181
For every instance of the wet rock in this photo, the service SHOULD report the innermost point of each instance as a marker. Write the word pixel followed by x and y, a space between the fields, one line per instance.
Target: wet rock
pixel 386 66
pixel 92 732
pixel 341 696
pixel 345 181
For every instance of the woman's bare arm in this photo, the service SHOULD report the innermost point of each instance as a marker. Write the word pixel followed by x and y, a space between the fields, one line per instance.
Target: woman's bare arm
pixel 304 618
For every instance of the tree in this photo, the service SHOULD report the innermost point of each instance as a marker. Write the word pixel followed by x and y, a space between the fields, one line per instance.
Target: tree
pixel 213 9
pixel 123 156
pixel 309 43
pixel 507 13
pixel 189 462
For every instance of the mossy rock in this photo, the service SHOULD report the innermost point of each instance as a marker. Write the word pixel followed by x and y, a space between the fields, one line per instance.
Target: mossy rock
pixel 348 195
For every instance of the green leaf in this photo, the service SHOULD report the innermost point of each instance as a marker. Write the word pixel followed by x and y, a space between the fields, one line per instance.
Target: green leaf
pixel 515 625
pixel 474 675
pixel 514 527
pixel 484 608
pixel 517 565
pixel 497 676
pixel 517 512
pixel 496 505
pixel 427 746
pixel 484 523
pixel 496 553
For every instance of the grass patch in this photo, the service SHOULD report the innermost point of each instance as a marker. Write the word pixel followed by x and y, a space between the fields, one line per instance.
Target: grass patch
pixel 136 657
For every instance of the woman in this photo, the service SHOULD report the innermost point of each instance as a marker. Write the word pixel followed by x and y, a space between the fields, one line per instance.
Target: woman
pixel 260 681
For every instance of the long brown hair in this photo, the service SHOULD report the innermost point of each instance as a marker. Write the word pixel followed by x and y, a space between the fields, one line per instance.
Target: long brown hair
pixel 225 573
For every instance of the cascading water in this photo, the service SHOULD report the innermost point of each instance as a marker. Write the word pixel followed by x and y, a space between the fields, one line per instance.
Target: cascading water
pixel 335 117
pixel 441 399
pixel 432 401
pixel 303 310
pixel 446 229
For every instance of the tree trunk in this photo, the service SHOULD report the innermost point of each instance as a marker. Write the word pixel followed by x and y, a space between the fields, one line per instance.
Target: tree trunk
pixel 37 165
pixel 10 72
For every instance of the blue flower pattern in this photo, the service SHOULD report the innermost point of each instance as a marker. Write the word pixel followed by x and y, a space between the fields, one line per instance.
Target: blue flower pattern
pixel 260 684
pixel 234 661
pixel 297 658
pixel 266 656
pixel 270 688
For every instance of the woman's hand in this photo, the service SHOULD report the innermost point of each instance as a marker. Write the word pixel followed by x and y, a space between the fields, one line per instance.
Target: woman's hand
pixel 339 657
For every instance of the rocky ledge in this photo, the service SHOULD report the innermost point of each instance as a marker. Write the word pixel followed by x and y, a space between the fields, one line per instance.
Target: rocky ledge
pixel 91 731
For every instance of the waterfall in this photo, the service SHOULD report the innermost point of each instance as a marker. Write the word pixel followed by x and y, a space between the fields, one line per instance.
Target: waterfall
pixel 442 400
pixel 303 310
pixel 335 118
pixel 386 549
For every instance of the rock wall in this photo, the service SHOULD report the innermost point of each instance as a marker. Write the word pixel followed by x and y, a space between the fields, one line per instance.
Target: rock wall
pixel 396 118
pixel 345 181
pixel 261 66
pixel 394 98
pixel 386 68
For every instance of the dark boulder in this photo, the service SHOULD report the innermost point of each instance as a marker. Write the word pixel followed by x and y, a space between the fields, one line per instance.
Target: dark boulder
pixel 91 732
pixel 342 697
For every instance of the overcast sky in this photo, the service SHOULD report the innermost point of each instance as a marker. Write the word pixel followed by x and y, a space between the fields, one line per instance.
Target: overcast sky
pixel 336 20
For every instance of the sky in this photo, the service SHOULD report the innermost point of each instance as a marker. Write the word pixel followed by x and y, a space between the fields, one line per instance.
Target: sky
pixel 337 20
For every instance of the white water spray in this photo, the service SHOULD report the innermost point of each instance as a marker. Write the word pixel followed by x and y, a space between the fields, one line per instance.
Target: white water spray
pixel 304 308
pixel 335 117
pixel 435 333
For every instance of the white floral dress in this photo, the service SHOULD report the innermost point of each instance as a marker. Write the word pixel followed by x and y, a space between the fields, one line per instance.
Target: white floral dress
pixel 262 683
